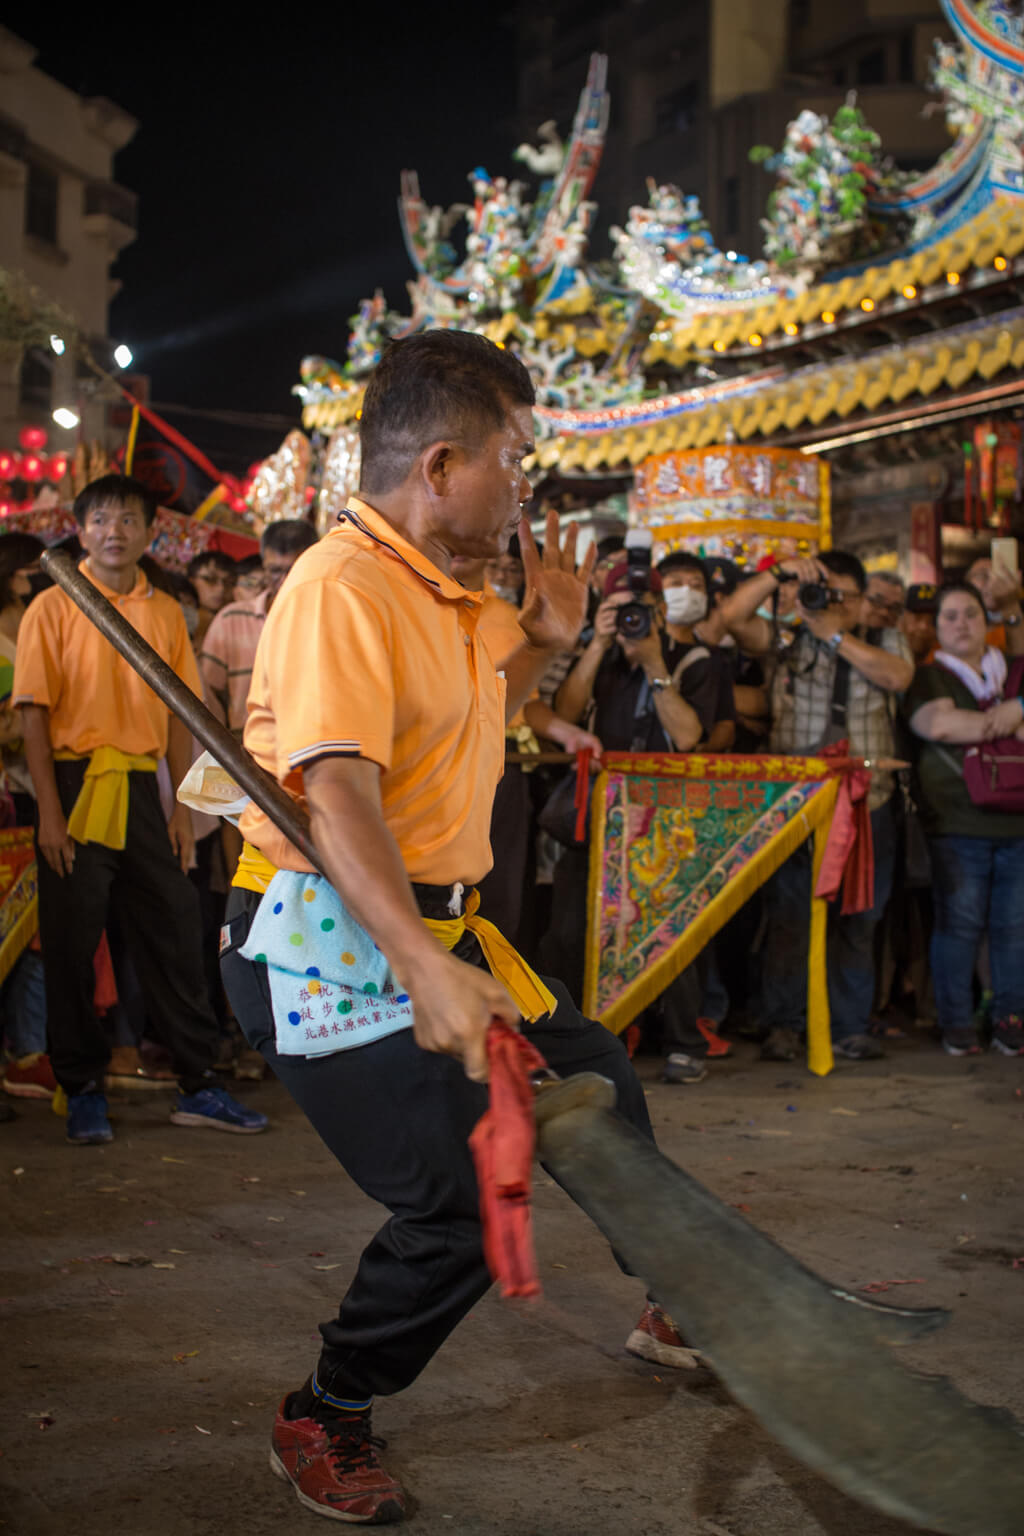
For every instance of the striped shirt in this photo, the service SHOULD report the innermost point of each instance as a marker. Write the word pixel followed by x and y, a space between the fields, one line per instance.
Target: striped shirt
pixel 226 659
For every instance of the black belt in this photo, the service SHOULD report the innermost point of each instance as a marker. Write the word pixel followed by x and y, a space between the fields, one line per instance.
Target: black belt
pixel 441 902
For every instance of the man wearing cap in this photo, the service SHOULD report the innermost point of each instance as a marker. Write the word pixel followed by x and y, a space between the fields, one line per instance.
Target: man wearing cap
pixel 918 621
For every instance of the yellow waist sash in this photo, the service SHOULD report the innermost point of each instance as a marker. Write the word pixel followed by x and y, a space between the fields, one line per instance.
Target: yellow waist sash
pixel 504 962
pixel 100 814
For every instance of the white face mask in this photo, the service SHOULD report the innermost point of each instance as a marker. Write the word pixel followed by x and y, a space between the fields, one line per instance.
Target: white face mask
pixel 685 605
pixel 507 594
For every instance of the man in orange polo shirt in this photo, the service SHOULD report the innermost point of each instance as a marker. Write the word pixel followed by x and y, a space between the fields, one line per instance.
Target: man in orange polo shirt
pixel 374 700
pixel 94 732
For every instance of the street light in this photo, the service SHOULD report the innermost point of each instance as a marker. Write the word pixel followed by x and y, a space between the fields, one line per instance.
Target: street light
pixel 123 356
pixel 65 417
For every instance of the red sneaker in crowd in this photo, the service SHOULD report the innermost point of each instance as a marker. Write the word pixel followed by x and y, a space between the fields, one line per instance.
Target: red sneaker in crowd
pixel 30 1077
pixel 657 1338
pixel 716 1045
pixel 334 1467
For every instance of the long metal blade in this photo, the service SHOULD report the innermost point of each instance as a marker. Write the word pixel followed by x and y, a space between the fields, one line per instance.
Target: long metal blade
pixel 808 1359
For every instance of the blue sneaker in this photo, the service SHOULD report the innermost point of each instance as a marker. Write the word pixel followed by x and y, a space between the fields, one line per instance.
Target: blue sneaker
pixel 218 1111
pixel 87 1123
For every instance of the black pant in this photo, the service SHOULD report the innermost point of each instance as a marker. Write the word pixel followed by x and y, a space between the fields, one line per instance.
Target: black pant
pixel 503 890
pixel 398 1120
pixel 159 917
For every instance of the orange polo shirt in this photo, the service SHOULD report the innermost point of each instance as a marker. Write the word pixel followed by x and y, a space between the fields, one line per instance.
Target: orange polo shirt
pixel 370 651
pixel 500 632
pixel 95 698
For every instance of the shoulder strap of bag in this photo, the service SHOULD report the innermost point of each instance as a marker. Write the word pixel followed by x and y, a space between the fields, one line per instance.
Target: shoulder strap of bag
pixel 1014 678
pixel 840 693
pixel 695 653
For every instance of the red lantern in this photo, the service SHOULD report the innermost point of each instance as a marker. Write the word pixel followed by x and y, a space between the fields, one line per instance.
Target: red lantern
pixel 32 439
pixel 57 468
pixel 237 503
pixel 10 463
pixel 6 508
pixel 31 467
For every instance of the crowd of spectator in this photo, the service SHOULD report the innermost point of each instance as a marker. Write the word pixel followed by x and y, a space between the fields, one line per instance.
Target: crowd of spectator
pixel 122 988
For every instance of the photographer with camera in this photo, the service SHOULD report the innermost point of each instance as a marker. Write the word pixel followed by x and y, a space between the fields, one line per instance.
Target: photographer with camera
pixel 832 682
pixel 641 688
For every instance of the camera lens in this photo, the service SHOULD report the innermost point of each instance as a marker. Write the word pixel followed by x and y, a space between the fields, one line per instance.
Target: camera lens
pixel 633 621
pixel 814 596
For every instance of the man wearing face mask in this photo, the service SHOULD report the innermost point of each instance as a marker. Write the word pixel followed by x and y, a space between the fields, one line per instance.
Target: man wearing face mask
pixel 657 691
pixel 687 597
pixel 832 682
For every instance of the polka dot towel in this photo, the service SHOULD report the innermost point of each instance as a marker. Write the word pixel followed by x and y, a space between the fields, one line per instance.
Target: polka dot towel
pixel 331 986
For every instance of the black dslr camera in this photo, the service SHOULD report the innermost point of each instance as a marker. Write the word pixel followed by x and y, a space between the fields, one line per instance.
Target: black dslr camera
pixel 633 620
pixel 816 596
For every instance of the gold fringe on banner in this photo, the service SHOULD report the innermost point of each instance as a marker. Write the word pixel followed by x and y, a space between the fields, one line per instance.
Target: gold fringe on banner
pixel 814 819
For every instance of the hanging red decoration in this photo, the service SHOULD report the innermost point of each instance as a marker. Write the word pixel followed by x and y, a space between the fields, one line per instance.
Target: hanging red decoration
pixel 32 439
pixel 10 463
pixel 6 508
pixel 985 441
pixel 57 468
pixel 31 467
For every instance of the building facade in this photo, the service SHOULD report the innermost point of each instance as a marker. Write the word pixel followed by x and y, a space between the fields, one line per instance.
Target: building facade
pixel 63 222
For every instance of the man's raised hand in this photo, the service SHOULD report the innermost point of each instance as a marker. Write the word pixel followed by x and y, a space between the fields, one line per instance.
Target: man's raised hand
pixel 555 607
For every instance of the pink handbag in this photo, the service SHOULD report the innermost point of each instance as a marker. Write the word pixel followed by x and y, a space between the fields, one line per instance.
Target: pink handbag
pixel 994 770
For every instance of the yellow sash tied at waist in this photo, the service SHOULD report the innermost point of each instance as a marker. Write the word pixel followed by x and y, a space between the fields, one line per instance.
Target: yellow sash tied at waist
pixel 254 872
pixel 100 814
pixel 505 963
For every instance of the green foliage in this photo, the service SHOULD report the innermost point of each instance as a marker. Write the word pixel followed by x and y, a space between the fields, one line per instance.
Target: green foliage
pixel 28 318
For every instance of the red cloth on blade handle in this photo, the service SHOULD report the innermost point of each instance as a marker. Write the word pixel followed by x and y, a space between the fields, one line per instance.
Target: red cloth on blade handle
pixel 582 800
pixel 849 862
pixel 502 1143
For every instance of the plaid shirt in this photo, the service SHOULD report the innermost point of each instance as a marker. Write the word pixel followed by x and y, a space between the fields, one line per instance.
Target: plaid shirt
pixel 802 706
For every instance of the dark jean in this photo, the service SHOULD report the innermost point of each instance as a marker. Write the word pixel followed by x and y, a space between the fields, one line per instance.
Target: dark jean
pixel 851 957
pixel 977 888
pixel 398 1119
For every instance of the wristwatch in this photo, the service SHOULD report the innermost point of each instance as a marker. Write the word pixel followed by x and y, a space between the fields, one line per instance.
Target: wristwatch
pixel 835 641
pixel 656 684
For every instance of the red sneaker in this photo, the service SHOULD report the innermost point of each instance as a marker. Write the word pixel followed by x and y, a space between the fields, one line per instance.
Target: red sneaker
pixel 657 1338
pixel 334 1468
pixel 30 1077
pixel 716 1045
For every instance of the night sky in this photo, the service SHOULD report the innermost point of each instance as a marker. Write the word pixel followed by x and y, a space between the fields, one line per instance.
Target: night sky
pixel 267 165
